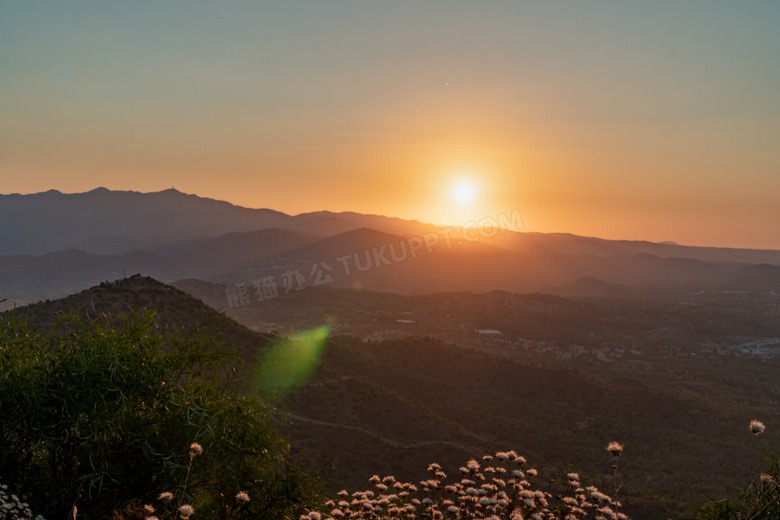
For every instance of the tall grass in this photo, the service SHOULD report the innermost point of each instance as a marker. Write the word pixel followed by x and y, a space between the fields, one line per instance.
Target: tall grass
pixel 761 499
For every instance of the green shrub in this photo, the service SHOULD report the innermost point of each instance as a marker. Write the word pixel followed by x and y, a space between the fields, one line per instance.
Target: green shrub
pixel 101 415
pixel 761 501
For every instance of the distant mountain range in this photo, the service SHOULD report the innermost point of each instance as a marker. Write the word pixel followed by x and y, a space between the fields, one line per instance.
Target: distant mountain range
pixel 52 244
pixel 109 222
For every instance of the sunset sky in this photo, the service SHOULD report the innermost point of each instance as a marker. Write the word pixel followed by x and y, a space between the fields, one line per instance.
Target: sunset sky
pixel 639 120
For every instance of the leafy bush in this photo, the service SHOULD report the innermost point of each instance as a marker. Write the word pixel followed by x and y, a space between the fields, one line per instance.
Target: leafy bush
pixel 100 415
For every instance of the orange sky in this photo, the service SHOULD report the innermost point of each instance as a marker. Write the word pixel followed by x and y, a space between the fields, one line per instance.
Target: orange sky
pixel 655 122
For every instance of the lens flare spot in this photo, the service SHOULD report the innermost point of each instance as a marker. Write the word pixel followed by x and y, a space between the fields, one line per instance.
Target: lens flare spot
pixel 289 362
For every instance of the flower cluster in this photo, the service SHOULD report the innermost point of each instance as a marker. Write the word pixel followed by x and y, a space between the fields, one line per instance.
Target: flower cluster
pixel 12 508
pixel 498 487
pixel 185 511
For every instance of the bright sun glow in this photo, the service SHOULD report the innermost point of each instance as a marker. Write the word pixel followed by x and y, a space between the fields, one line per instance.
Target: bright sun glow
pixel 463 192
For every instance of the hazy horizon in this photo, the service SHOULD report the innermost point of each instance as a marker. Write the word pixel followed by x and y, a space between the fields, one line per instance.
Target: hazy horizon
pixel 514 216
pixel 654 122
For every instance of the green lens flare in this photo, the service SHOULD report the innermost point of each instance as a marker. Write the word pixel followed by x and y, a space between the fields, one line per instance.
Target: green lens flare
pixel 290 361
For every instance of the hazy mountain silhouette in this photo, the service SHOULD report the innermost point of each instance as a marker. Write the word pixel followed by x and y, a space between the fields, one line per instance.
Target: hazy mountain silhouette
pixel 65 219
pixel 382 261
pixel 565 243
pixel 233 250
pixel 82 239
pixel 27 278
pixel 759 277
pixel 43 222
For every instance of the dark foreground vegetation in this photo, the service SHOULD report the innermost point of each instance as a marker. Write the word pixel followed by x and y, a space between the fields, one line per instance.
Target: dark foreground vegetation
pixel 104 411
pixel 99 416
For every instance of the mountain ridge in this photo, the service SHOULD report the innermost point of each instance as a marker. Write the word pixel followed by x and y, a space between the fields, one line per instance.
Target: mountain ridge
pixel 171 235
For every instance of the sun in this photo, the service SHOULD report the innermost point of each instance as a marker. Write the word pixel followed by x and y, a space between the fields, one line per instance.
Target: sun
pixel 463 192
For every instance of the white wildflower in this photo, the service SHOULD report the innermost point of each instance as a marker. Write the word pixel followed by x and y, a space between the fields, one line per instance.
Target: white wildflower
pixel 757 427
pixel 615 448
pixel 185 511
